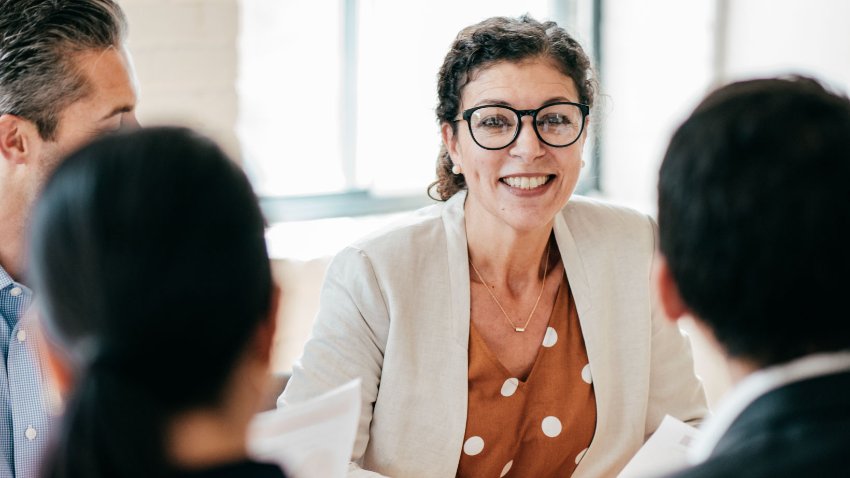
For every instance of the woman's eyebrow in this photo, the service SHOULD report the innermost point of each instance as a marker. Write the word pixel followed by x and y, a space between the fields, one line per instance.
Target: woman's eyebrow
pixel 495 102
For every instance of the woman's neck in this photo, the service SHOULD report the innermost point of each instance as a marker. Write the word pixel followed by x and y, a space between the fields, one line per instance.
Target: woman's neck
pixel 509 257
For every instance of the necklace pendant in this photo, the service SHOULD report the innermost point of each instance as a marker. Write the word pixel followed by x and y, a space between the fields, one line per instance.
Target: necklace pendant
pixel 519 329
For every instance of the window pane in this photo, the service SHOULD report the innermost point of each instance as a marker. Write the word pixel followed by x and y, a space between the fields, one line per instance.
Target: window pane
pixel 289 95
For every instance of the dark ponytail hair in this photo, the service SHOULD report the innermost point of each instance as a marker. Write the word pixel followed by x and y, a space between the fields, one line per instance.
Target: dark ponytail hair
pixel 148 251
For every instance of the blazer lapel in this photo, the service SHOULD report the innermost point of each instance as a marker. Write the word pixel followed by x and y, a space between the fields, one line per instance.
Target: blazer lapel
pixel 593 327
pixel 458 372
pixel 573 265
pixel 458 267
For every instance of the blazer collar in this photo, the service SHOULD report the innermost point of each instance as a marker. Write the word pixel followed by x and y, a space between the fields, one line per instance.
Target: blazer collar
pixel 458 256
pixel 573 264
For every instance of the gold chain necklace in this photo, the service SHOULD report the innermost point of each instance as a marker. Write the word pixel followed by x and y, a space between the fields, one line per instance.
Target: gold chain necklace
pixel 542 287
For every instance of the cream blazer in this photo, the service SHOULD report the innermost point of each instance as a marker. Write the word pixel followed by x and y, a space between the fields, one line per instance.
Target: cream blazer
pixel 394 311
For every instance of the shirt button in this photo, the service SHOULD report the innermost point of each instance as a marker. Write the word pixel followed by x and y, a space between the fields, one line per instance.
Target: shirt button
pixel 22 336
pixel 31 433
pixel 16 291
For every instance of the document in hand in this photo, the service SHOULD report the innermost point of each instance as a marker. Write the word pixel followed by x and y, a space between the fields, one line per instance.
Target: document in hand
pixel 665 451
pixel 312 438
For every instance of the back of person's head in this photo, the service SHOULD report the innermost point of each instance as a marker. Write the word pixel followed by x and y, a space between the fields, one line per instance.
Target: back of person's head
pixel 38 40
pixel 148 251
pixel 754 214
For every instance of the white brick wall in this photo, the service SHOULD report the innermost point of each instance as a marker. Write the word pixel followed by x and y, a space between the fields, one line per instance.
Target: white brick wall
pixel 185 56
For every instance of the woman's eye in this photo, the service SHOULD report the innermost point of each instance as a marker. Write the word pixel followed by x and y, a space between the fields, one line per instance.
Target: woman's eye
pixel 494 122
pixel 553 120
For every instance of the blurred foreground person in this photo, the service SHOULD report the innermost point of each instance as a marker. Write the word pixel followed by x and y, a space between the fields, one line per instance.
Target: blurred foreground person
pixel 754 213
pixel 157 306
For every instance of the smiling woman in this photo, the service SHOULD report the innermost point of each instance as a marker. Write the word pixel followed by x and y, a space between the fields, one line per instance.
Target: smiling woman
pixel 485 326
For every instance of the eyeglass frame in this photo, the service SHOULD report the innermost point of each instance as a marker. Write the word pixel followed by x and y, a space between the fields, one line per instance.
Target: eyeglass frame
pixel 467 113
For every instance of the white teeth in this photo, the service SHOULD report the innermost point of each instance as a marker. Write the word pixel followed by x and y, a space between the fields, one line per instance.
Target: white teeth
pixel 526 182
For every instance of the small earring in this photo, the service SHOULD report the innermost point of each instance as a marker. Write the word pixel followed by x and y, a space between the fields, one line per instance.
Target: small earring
pixel 456 169
pixel 582 164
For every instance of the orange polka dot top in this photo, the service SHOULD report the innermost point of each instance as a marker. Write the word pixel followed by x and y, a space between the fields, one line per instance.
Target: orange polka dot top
pixel 538 427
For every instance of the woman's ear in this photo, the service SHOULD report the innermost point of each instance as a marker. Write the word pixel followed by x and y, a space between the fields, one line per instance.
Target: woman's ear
pixel 450 140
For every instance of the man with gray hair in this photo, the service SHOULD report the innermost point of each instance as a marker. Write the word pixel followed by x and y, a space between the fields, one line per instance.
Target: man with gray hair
pixel 65 77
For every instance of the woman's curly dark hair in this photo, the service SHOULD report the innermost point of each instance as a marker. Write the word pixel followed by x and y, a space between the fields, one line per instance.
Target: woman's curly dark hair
pixel 493 40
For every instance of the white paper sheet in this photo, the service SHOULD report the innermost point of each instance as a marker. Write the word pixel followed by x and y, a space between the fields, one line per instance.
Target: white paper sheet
pixel 310 439
pixel 664 452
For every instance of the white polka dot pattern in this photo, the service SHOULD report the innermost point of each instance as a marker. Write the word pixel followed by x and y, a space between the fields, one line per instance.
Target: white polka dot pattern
pixel 507 468
pixel 473 446
pixel 499 401
pixel 551 427
pixel 509 387
pixel 551 337
pixel 580 455
pixel 585 374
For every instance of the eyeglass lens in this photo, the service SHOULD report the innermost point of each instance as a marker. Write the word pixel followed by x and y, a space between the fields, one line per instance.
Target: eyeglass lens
pixel 496 127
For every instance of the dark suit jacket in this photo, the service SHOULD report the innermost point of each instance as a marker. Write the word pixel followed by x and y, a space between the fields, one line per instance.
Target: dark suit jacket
pixel 799 430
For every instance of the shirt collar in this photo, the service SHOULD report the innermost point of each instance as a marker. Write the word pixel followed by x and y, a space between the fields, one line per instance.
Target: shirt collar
pixel 13 309
pixel 754 386
pixel 5 278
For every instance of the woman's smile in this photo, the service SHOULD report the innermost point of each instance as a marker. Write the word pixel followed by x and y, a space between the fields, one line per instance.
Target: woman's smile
pixel 526 185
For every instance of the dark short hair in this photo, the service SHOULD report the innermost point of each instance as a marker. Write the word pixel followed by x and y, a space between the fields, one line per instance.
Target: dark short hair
pixel 148 251
pixel 38 39
pixel 501 39
pixel 754 214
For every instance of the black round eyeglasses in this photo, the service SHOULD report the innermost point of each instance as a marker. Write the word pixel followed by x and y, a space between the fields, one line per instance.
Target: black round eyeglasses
pixel 497 126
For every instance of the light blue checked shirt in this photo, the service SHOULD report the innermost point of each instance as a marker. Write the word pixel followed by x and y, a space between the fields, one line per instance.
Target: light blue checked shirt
pixel 23 413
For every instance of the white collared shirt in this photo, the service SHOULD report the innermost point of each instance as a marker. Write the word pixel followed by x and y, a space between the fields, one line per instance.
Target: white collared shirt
pixel 754 386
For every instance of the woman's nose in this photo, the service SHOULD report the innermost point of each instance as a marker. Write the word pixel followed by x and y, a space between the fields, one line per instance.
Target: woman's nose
pixel 527 145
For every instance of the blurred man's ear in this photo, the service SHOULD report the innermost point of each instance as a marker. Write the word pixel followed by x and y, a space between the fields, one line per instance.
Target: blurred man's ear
pixel 268 328
pixel 263 342
pixel 16 138
pixel 668 292
pixel 59 371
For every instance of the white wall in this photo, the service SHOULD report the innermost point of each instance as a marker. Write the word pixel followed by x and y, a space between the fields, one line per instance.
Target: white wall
pixel 185 57
pixel 768 37
pixel 657 61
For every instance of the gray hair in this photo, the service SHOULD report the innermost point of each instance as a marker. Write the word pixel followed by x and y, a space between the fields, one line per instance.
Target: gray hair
pixel 38 42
